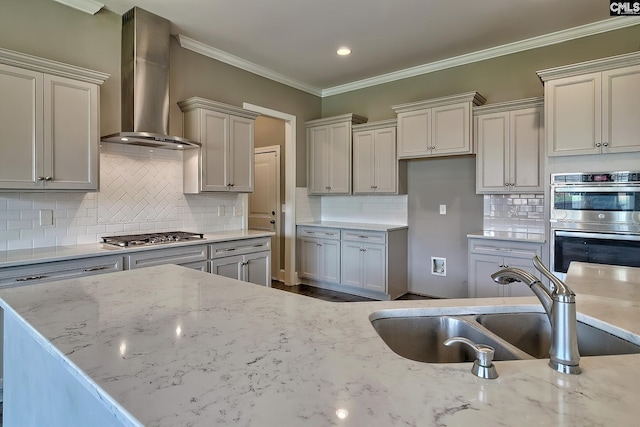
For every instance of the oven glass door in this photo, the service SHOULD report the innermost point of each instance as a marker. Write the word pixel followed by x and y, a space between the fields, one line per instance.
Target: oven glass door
pixel 622 199
pixel 599 248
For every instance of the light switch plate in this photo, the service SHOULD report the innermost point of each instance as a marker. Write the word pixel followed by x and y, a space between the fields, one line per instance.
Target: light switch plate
pixel 443 209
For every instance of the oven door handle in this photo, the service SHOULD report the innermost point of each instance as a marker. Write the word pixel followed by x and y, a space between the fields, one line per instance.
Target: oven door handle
pixel 597 235
pixel 592 189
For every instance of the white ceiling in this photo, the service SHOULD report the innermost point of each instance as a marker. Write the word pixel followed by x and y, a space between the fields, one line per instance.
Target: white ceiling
pixel 295 41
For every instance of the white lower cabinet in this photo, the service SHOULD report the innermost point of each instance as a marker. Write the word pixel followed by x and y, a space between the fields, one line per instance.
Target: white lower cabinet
pixel 246 260
pixel 361 262
pixel 50 271
pixel 488 256
pixel 187 256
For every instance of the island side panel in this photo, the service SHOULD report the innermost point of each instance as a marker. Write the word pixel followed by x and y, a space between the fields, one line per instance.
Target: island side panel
pixel 41 387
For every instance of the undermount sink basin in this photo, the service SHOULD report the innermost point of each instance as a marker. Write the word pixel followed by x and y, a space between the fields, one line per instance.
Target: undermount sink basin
pixel 514 336
pixel 531 333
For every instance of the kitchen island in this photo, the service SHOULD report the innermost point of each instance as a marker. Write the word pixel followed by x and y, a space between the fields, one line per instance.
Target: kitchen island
pixel 166 346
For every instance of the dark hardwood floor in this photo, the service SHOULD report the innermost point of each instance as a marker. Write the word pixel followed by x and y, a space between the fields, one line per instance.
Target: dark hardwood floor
pixel 334 296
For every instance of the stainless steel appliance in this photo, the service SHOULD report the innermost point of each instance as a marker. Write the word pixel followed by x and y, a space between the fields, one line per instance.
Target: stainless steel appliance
pixel 151 238
pixel 595 217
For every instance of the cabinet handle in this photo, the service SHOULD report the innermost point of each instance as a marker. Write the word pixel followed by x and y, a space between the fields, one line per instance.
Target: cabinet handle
pixel 503 249
pixel 41 178
pixel 48 178
pixel 259 246
pixel 230 249
pixel 104 267
pixel 26 279
pixel 598 144
pixel 330 234
pixel 318 244
pixel 245 263
pixel 605 144
pixel 363 237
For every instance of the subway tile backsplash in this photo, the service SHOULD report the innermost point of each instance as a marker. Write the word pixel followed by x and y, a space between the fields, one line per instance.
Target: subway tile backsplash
pixel 514 212
pixel 140 190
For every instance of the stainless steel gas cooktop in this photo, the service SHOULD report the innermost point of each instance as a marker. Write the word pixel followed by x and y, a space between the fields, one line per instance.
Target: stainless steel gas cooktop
pixel 151 238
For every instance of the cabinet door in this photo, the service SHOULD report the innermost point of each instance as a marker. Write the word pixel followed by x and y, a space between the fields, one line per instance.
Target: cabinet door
pixel 352 264
pixel 363 162
pixel 257 268
pixel 231 267
pixel 492 133
pixel 241 156
pixel 526 154
pixel 414 134
pixel 480 269
pixel 21 142
pixel 318 138
pixel 309 259
pixel 385 161
pixel 339 158
pixel 70 134
pixel 214 151
pixel 573 111
pixel 451 130
pixel 330 261
pixel 621 104
pixel 374 268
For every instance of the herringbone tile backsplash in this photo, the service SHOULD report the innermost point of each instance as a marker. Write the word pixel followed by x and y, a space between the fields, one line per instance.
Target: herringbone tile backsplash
pixel 140 190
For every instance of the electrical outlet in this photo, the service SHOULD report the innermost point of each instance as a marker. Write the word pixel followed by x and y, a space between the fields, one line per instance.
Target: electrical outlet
pixel 46 217
pixel 443 209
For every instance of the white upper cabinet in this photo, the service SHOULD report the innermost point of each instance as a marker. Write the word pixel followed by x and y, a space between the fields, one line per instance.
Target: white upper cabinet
pixel 592 107
pixel 49 124
pixel 510 147
pixel 375 164
pixel 329 144
pixel 225 160
pixel 436 127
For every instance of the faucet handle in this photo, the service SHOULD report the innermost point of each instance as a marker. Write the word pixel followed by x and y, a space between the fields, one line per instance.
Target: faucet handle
pixel 560 290
pixel 483 366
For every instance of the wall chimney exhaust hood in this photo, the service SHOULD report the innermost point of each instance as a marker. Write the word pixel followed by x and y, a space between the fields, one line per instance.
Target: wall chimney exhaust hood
pixel 145 83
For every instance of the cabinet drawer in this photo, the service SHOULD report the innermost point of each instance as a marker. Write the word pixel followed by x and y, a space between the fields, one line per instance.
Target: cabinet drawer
pixel 364 236
pixel 180 256
pixel 319 232
pixel 50 271
pixel 239 247
pixel 505 248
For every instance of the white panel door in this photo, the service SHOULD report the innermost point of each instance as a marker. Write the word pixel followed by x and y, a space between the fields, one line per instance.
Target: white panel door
pixel 241 154
pixel 621 101
pixel 70 134
pixel 309 258
pixel 374 268
pixel 330 261
pixel 414 133
pixel 257 268
pixel 339 158
pixel 352 264
pixel 573 121
pixel 214 150
pixel 21 128
pixel 385 161
pixel 228 267
pixel 451 130
pixel 318 138
pixel 526 155
pixel 363 162
pixel 492 133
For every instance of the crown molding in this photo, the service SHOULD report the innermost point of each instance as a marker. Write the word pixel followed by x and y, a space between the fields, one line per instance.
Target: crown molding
pixel 197 102
pixel 354 119
pixel 42 65
pixel 381 124
pixel 606 25
pixel 237 62
pixel 594 66
pixel 88 6
pixel 473 97
pixel 509 106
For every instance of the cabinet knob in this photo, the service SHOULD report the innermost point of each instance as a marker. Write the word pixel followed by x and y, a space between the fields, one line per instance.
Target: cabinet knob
pixel 598 144
pixel 48 178
pixel 605 144
pixel 41 178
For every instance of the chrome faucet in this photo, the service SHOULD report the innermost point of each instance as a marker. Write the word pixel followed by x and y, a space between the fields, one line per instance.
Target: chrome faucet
pixel 560 306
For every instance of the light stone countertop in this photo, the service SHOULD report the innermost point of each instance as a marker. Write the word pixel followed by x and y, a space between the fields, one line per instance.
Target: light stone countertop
pixel 20 257
pixel 179 347
pixel 509 235
pixel 353 225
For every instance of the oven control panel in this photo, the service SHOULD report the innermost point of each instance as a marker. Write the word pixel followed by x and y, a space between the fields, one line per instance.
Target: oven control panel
pixel 622 177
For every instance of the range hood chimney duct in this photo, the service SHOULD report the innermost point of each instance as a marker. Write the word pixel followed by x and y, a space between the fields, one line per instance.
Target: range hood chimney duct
pixel 145 83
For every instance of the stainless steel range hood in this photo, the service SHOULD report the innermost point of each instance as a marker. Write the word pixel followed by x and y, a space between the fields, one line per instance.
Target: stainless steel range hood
pixel 145 83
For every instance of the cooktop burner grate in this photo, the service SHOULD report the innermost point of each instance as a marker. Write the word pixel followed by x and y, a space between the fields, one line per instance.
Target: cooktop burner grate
pixel 151 238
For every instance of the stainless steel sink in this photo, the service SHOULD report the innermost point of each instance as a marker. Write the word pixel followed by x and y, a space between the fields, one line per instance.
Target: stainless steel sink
pixel 414 334
pixel 421 338
pixel 531 332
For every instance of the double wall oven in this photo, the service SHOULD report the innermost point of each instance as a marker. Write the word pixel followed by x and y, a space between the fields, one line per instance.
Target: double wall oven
pixel 595 217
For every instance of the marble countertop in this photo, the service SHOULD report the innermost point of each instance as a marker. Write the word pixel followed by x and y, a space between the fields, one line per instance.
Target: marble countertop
pixel 353 225
pixel 63 253
pixel 175 346
pixel 509 235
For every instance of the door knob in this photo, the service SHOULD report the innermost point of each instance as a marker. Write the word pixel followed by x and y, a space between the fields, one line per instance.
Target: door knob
pixel 273 221
pixel 273 212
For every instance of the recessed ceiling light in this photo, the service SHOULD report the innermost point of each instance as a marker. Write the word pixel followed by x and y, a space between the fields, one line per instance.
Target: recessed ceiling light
pixel 343 51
